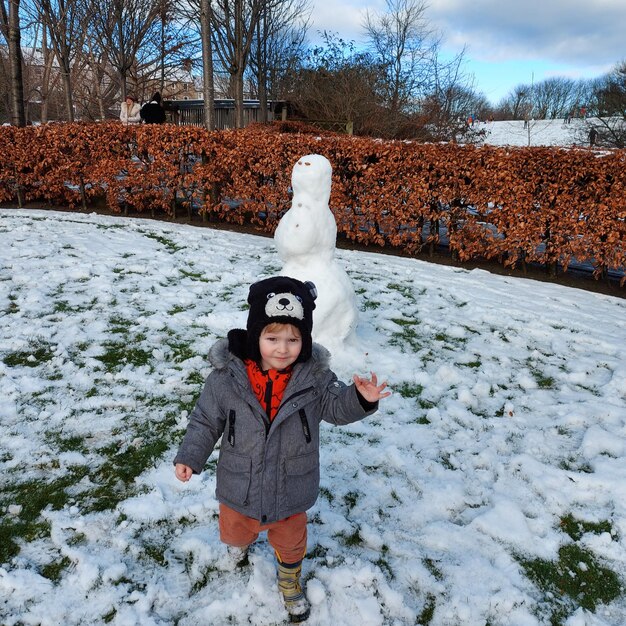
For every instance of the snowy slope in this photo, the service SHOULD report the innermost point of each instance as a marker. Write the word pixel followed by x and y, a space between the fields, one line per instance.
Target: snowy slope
pixel 537 133
pixel 508 417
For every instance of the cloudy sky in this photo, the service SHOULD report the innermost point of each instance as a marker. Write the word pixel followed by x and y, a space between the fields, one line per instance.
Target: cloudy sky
pixel 508 41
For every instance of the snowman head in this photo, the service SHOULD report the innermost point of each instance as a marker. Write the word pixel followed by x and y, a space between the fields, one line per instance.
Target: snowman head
pixel 312 176
pixel 283 300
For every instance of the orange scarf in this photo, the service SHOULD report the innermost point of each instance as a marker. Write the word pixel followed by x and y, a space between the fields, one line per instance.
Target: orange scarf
pixel 268 386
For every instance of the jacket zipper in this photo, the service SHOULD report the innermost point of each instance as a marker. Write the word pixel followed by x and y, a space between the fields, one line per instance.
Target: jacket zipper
pixel 305 426
pixel 269 389
pixel 231 428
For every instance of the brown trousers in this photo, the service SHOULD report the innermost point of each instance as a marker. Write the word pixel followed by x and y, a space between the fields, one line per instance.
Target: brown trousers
pixel 287 536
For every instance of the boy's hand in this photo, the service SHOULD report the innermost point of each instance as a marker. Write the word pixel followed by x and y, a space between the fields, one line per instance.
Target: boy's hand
pixel 183 472
pixel 370 389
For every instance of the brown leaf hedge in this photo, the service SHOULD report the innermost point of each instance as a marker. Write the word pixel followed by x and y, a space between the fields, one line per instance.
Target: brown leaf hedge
pixel 515 205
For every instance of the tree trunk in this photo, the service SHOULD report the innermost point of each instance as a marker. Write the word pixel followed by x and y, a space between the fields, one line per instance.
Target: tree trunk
pixel 239 64
pixel 208 88
pixel 48 59
pixel 67 93
pixel 18 114
pixel 262 76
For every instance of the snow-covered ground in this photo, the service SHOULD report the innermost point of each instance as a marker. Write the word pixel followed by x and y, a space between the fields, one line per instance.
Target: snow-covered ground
pixel 537 133
pixel 506 429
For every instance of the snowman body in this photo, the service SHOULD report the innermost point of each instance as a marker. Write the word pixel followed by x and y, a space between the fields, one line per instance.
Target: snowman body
pixel 306 242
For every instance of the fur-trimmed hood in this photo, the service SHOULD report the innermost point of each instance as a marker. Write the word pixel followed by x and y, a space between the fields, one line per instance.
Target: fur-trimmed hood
pixel 233 347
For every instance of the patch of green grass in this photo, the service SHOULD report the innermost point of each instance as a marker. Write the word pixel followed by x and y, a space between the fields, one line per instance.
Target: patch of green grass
pixel 168 243
pixel 449 340
pixel 52 571
pixel 120 354
pixel 13 306
pixel 574 464
pixel 155 553
pixel 473 364
pixel 407 337
pixel 426 616
pixel 181 351
pixel 326 493
pixel 575 580
pixel 199 276
pixel 370 304
pixel 577 528
pixel 383 563
pixel 431 566
pixel 33 496
pixel 543 381
pixel 115 478
pixel 176 309
pixel 75 443
pixel 426 404
pixel 37 353
pixel 405 290
pixel 445 461
pixel 350 499
pixel 406 390
pixel 120 325
pixel 195 378
pixel 400 321
pixel 62 306
pixel 353 539
pixel 318 552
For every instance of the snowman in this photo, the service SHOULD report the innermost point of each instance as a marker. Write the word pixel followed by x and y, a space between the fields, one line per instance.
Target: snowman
pixel 305 239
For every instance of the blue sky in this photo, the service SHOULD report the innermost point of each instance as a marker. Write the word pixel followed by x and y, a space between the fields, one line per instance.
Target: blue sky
pixel 507 42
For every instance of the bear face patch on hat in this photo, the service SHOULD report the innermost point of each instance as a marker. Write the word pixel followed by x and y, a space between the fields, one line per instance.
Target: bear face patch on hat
pixel 283 300
pixel 284 304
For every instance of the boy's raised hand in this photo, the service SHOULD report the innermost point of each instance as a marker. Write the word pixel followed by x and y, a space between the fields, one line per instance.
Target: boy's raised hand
pixel 369 388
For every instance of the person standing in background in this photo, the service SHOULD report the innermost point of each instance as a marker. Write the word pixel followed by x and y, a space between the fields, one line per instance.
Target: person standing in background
pixel 152 112
pixel 130 111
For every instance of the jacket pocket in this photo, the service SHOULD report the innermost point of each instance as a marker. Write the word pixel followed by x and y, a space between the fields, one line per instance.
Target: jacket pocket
pixel 302 479
pixel 233 477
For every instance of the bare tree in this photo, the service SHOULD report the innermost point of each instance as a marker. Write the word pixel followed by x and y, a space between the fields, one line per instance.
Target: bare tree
pixel 453 98
pixel 405 45
pixel 235 23
pixel 609 104
pixel 338 83
pixel 555 97
pixel 517 104
pixel 126 27
pixel 11 30
pixel 65 23
pixel 279 40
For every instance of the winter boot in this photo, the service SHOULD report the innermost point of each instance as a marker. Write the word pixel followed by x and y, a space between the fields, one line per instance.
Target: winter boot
pixel 296 603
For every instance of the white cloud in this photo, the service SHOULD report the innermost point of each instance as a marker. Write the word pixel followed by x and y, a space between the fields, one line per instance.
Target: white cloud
pixel 584 33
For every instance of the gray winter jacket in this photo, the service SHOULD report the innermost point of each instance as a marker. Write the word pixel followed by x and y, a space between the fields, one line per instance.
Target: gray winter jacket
pixel 267 472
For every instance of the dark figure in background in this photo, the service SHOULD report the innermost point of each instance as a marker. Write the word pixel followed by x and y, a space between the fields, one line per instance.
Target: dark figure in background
pixel 593 135
pixel 152 112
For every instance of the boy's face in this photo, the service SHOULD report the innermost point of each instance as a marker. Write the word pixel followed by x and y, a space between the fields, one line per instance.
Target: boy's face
pixel 279 346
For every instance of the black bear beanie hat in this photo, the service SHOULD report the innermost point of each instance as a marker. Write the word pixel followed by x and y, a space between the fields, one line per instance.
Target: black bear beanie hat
pixel 283 300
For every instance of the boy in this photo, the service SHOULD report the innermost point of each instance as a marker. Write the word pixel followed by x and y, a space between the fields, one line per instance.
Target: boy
pixel 270 388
